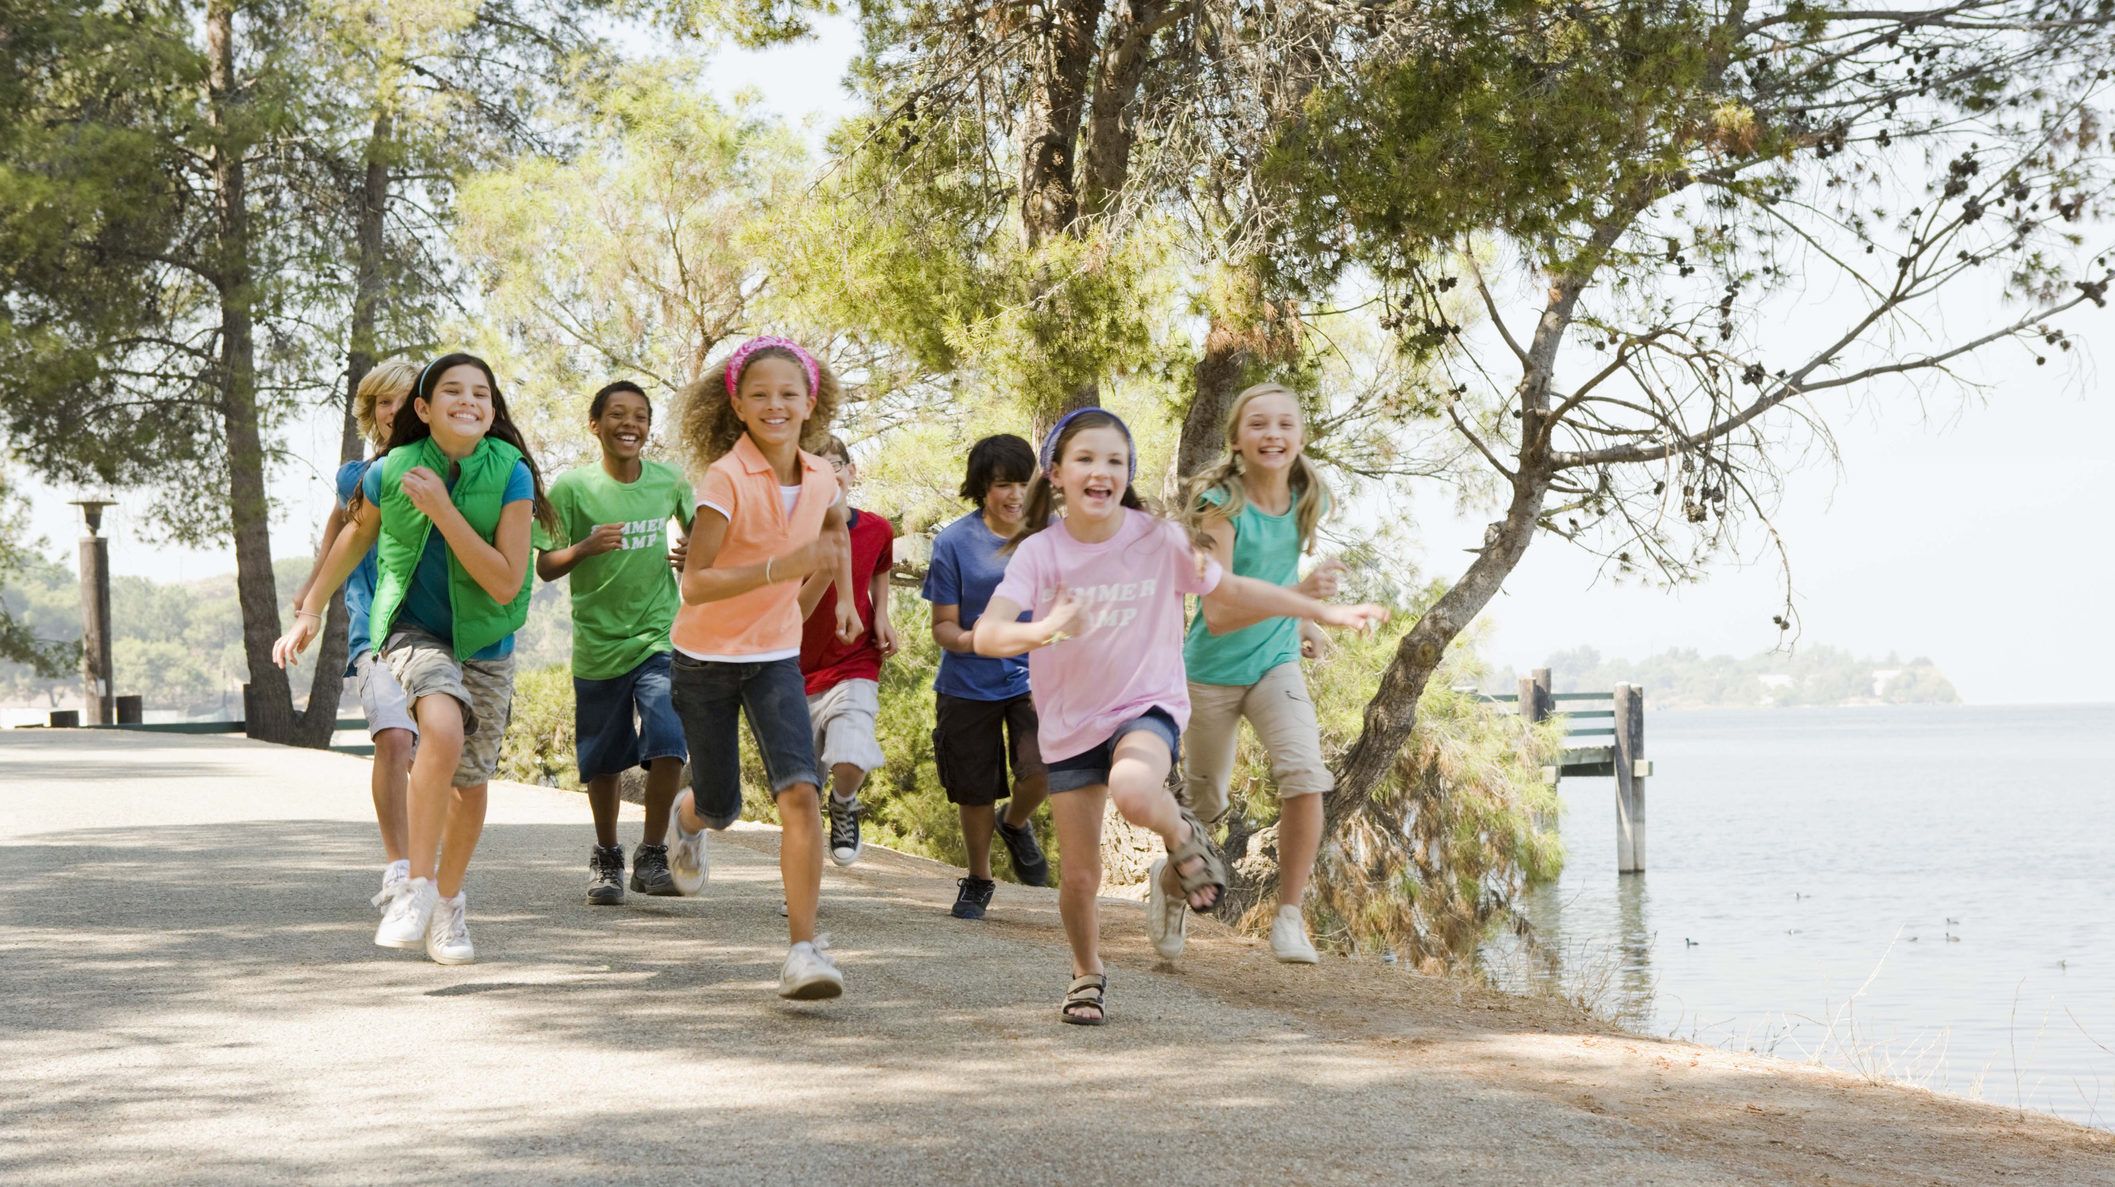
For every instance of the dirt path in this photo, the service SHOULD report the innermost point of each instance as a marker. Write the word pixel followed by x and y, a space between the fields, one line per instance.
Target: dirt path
pixel 191 996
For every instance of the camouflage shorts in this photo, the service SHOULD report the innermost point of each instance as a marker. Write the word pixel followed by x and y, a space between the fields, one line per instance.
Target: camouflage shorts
pixel 426 666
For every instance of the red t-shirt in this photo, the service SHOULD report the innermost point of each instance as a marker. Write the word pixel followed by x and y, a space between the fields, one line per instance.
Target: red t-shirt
pixel 825 660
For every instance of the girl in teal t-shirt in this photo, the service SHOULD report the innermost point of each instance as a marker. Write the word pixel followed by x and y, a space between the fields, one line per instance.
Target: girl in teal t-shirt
pixel 1260 505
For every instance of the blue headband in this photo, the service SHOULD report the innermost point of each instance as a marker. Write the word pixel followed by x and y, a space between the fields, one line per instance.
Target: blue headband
pixel 1057 430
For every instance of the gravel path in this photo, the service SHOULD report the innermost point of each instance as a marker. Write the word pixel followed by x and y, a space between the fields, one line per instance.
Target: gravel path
pixel 191 996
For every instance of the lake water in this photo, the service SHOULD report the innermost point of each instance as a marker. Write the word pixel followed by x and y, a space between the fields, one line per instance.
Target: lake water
pixel 1924 893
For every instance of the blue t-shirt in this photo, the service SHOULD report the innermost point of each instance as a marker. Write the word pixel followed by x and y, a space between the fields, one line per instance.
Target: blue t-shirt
pixel 426 602
pixel 360 587
pixel 966 568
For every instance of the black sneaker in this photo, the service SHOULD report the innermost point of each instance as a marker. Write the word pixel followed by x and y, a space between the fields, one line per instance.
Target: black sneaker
pixel 605 876
pixel 973 897
pixel 844 831
pixel 1029 864
pixel 650 873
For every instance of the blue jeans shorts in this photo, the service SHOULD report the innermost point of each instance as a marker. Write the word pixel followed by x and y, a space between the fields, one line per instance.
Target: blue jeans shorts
pixel 604 713
pixel 710 696
pixel 1092 766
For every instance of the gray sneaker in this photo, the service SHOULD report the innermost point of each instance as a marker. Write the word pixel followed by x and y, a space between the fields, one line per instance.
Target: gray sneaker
pixel 650 872
pixel 605 876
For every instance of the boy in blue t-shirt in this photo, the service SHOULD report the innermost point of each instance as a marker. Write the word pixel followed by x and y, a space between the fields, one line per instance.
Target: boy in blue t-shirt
pixel 984 712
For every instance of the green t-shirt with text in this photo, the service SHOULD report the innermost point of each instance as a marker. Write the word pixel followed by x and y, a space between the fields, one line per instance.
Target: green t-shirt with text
pixel 624 600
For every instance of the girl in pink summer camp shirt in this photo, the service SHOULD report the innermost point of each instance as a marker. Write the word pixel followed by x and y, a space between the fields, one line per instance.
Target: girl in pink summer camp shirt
pixel 1106 583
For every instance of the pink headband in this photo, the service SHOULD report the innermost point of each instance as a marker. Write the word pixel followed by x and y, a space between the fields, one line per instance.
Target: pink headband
pixel 740 359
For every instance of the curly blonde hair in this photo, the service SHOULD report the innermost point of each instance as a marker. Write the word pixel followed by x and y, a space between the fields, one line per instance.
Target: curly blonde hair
pixel 706 426
pixel 390 377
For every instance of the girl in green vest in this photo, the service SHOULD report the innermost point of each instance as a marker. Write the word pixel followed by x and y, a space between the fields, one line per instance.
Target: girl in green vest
pixel 1259 505
pixel 448 509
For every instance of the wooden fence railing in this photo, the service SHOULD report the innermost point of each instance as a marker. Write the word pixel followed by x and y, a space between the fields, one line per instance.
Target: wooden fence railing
pixel 1604 736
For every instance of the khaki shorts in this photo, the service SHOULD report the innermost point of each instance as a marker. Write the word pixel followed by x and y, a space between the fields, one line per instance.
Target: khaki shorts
pixel 1284 719
pixel 382 699
pixel 425 666
pixel 844 716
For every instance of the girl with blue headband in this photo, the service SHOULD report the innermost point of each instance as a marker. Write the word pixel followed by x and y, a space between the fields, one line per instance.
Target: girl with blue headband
pixel 1106 582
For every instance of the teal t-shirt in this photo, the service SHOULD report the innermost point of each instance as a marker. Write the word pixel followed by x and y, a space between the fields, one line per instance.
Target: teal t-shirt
pixel 1267 548
pixel 625 600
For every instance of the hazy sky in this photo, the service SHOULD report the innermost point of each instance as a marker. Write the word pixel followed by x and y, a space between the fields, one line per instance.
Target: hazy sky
pixel 1970 531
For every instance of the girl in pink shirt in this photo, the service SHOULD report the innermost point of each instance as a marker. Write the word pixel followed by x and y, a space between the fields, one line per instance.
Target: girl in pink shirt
pixel 1106 583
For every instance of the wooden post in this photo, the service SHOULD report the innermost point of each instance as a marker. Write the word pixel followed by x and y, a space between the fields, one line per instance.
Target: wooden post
pixel 1544 702
pixel 1630 785
pixel 1530 703
pixel 95 615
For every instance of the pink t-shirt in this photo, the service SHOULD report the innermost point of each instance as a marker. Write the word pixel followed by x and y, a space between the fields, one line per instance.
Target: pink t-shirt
pixel 1125 655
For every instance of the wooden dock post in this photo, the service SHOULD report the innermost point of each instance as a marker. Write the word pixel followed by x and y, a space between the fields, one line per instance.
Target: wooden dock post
pixel 1532 706
pixel 1629 759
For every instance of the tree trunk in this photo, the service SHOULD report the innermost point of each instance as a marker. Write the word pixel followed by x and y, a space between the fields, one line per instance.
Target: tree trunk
pixel 1112 124
pixel 1221 374
pixel 1059 73
pixel 271 710
pixel 370 208
pixel 1392 712
pixel 1050 123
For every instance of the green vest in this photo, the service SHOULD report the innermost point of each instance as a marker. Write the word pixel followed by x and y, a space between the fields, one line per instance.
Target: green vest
pixel 479 621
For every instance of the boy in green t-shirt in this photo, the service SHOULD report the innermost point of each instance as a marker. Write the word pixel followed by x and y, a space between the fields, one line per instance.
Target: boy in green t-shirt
pixel 613 518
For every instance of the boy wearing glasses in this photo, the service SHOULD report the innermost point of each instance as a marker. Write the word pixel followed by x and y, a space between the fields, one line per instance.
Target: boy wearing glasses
pixel 844 678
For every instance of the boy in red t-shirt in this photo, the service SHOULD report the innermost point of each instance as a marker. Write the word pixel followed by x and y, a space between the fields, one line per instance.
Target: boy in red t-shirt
pixel 844 679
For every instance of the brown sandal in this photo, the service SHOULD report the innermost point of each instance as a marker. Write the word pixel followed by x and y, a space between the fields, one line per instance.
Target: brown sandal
pixel 1211 873
pixel 1086 993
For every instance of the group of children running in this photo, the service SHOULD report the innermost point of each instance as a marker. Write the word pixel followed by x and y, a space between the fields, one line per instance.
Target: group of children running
pixel 1067 672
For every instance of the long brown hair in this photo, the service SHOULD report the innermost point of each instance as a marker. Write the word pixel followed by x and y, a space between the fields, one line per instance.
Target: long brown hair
pixel 409 427
pixel 1043 495
pixel 1311 497
pixel 706 426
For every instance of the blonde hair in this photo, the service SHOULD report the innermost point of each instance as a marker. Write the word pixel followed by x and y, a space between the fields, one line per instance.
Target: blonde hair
pixel 1311 497
pixel 706 426
pixel 390 377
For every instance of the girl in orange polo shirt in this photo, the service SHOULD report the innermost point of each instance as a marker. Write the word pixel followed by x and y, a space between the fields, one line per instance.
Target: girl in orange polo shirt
pixel 769 513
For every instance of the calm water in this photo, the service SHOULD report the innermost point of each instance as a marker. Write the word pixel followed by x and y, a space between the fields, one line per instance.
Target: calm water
pixel 1925 893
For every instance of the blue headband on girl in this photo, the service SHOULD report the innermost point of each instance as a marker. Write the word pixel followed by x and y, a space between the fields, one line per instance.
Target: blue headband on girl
pixel 1050 443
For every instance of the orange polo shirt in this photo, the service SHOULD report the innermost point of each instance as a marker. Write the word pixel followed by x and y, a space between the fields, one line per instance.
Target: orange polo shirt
pixel 763 624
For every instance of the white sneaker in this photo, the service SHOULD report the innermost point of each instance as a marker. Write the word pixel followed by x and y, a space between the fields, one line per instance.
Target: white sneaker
pixel 1288 938
pixel 404 924
pixel 448 935
pixel 686 851
pixel 1166 912
pixel 394 877
pixel 810 974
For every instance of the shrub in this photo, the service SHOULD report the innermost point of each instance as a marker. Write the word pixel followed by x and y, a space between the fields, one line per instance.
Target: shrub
pixel 1464 824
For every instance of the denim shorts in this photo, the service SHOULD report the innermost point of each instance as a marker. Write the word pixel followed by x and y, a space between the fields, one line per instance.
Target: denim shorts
pixel 603 720
pixel 710 696
pixel 1091 767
